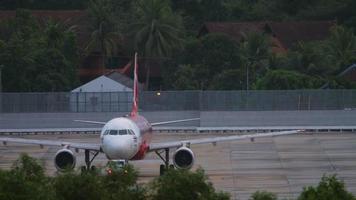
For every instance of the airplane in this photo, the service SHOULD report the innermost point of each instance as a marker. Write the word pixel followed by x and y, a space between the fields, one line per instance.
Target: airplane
pixel 129 138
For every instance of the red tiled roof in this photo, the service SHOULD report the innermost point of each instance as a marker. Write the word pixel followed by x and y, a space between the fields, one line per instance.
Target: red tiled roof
pixel 77 18
pixel 56 14
pixel 285 34
pixel 236 30
pixel 290 33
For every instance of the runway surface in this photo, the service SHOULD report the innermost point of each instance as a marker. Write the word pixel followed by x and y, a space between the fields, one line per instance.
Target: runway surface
pixel 283 165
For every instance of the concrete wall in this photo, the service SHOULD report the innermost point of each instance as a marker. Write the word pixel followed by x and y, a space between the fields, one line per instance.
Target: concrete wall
pixel 279 118
pixel 66 120
pixel 208 119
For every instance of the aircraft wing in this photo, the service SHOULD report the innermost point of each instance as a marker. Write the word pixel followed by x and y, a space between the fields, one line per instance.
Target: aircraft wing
pixel 174 121
pixel 85 146
pixel 152 124
pixel 214 140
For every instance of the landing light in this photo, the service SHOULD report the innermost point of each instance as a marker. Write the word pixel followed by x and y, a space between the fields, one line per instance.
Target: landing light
pixel 158 93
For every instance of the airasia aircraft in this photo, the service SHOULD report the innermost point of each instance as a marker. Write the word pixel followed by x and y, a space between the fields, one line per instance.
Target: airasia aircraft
pixel 129 138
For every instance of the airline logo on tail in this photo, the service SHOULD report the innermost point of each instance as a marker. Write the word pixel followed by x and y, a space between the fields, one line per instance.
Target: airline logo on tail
pixel 134 110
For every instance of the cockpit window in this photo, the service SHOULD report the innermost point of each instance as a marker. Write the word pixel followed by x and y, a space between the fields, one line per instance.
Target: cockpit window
pixel 119 132
pixel 122 132
pixel 131 132
pixel 113 132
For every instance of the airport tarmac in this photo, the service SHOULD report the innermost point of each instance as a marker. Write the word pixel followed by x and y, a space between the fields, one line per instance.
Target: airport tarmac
pixel 283 165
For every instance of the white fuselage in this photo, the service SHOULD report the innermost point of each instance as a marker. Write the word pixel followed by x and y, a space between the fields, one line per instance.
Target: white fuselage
pixel 122 138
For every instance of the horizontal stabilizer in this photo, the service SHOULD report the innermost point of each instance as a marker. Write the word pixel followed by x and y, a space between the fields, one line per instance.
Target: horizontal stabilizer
pixel 90 122
pixel 174 121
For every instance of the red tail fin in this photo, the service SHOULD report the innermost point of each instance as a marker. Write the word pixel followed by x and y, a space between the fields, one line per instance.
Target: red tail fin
pixel 134 110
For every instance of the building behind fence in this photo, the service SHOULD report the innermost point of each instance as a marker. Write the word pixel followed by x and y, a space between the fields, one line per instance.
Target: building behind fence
pixel 180 101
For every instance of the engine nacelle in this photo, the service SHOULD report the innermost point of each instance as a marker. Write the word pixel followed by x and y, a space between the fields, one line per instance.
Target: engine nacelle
pixel 183 158
pixel 64 159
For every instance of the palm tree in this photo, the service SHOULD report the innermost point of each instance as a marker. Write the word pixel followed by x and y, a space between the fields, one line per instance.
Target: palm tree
pixel 56 32
pixel 156 32
pixel 255 51
pixel 105 36
pixel 342 46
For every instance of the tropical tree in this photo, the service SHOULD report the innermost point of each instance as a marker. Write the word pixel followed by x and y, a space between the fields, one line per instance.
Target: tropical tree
pixel 58 57
pixel 254 51
pixel 263 195
pixel 187 78
pixel 105 36
pixel 310 58
pixel 196 12
pixel 329 188
pixel 184 184
pixel 342 46
pixel 37 57
pixel 203 60
pixel 43 4
pixel 156 32
pixel 72 185
pixel 286 80
pixel 122 184
pixel 21 37
pixel 55 32
pixel 26 180
pixel 231 79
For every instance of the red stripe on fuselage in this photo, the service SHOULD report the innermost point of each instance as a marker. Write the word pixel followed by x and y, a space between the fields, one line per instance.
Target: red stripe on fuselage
pixel 145 134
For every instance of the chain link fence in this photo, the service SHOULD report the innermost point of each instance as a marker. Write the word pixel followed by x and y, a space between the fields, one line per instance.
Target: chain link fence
pixel 180 101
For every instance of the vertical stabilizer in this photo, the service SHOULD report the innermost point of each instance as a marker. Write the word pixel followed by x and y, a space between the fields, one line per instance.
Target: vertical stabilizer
pixel 134 110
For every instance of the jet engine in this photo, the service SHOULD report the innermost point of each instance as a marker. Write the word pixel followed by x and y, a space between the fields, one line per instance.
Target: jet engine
pixel 183 158
pixel 64 159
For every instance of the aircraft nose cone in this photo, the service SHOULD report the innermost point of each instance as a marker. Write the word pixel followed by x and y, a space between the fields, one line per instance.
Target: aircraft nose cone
pixel 118 147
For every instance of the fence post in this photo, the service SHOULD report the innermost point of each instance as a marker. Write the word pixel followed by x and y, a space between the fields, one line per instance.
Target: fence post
pixel 1 66
pixel 85 102
pixel 77 101
pixel 200 100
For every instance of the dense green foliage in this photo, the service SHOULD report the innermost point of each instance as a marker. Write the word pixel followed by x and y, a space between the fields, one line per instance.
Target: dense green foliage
pixel 105 34
pixel 286 79
pixel 329 188
pixel 198 63
pixel 43 4
pixel 164 32
pixel 263 195
pixel 183 184
pixel 156 31
pixel 37 57
pixel 27 180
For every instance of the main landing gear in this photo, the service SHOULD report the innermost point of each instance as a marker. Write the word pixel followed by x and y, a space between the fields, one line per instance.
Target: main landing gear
pixel 89 160
pixel 164 167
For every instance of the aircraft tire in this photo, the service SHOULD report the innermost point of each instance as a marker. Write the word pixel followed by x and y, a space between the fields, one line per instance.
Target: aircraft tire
pixel 162 169
pixel 83 169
